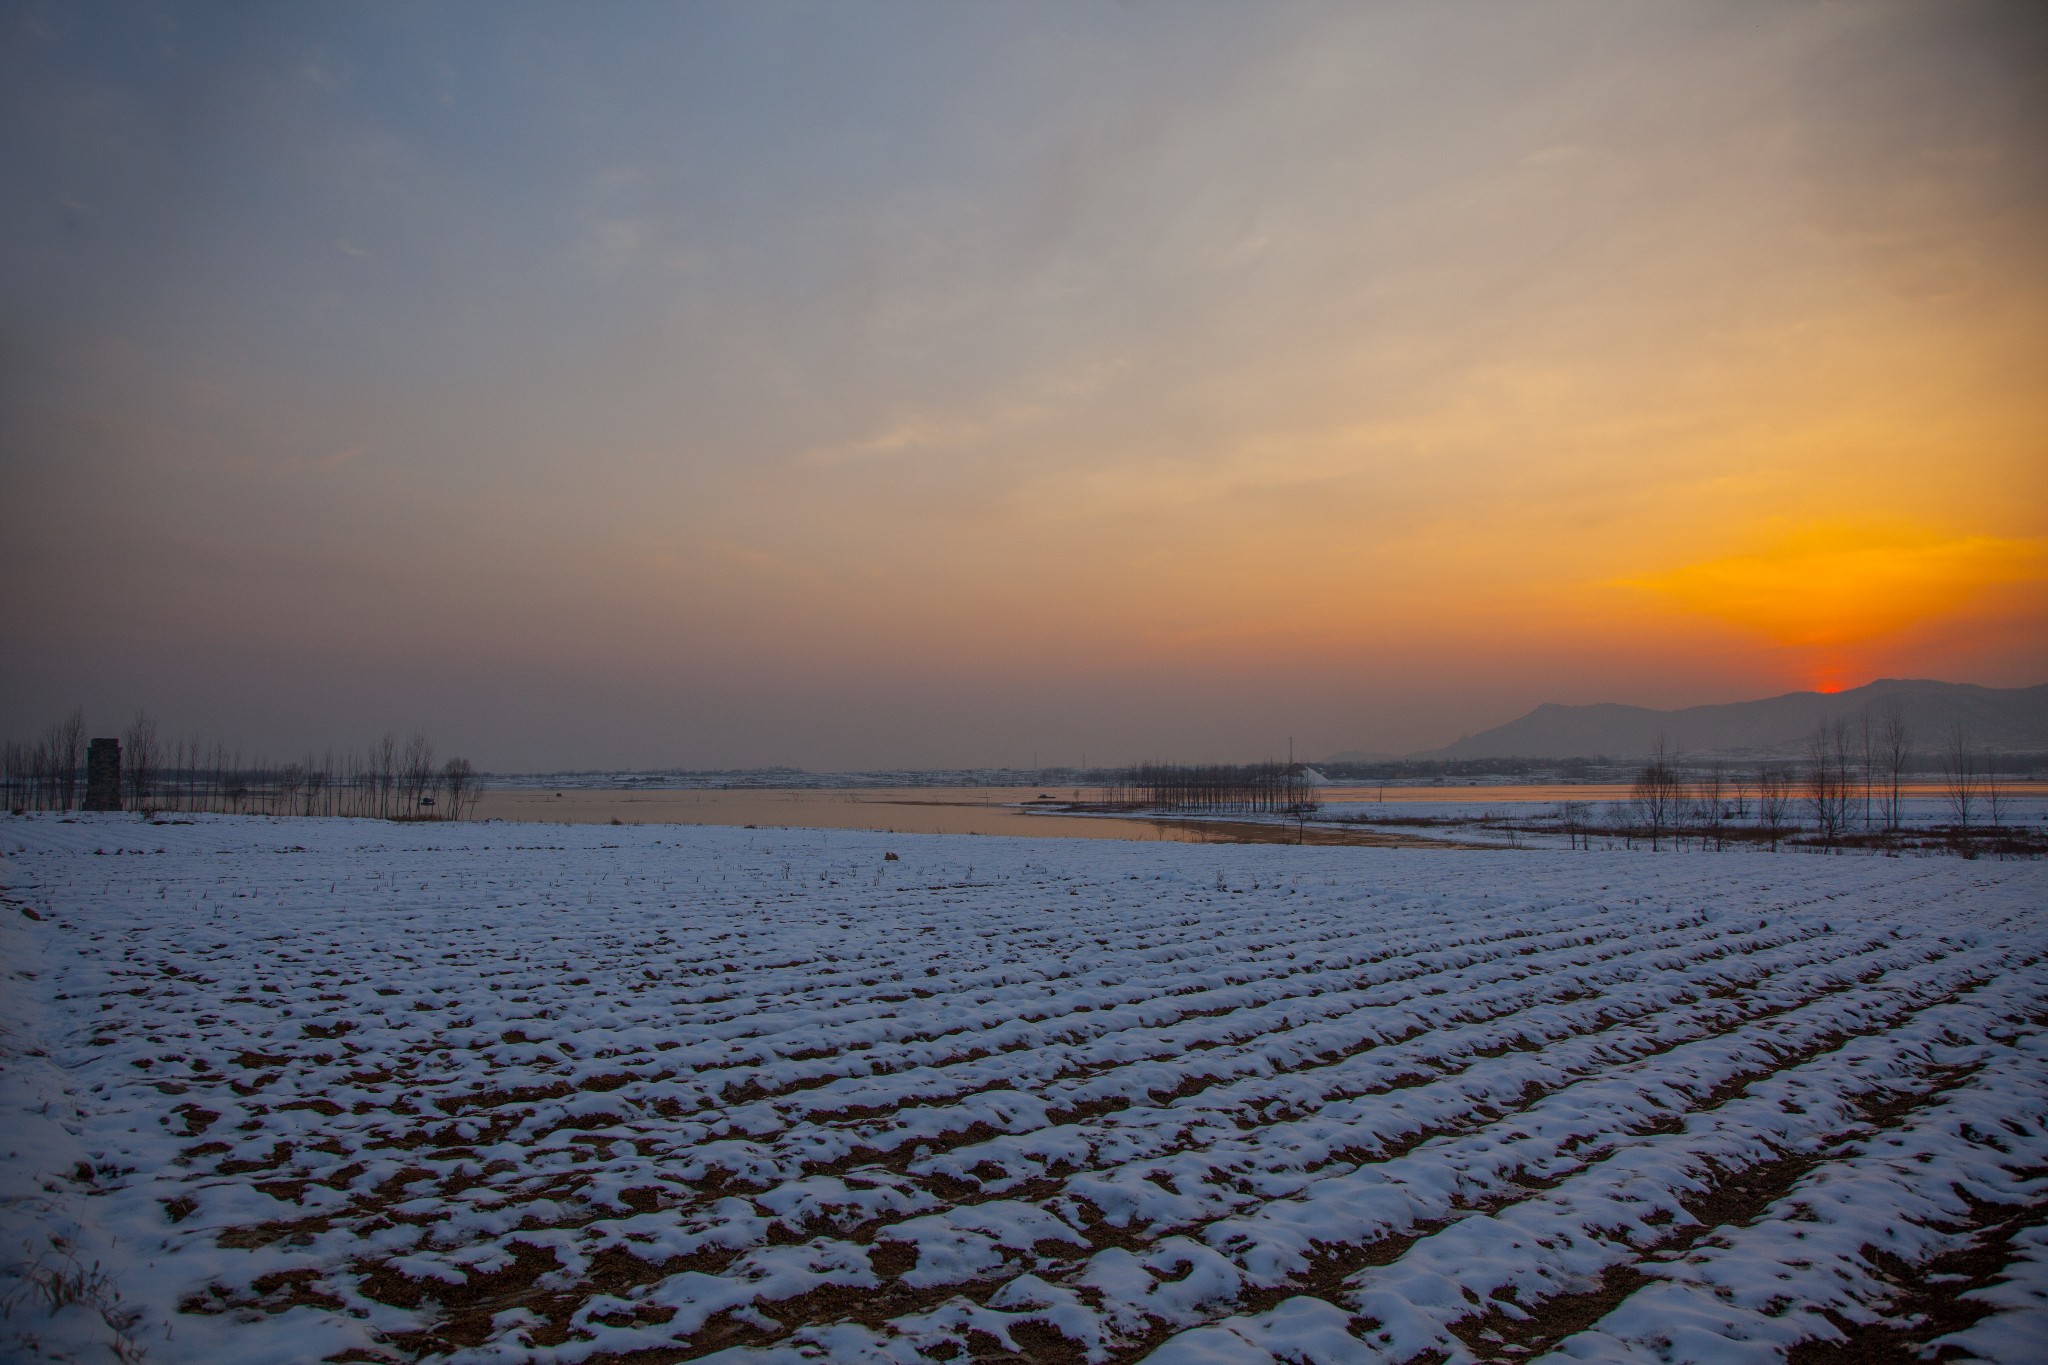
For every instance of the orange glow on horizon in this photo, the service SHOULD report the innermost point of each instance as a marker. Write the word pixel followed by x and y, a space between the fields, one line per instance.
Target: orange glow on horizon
pixel 1828 585
pixel 1830 681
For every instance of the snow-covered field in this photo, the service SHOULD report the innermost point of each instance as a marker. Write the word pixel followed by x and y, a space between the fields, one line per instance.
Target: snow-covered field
pixel 345 1090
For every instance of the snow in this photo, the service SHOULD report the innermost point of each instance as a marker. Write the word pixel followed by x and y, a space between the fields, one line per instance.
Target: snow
pixel 310 1088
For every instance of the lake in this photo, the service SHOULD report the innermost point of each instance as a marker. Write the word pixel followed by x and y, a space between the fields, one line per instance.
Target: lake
pixel 918 810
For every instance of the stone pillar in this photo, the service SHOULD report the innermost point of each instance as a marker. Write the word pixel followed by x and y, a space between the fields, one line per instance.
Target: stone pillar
pixel 103 775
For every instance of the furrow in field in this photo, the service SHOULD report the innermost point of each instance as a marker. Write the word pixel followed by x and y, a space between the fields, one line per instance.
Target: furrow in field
pixel 670 1098
pixel 1164 1266
pixel 366 1053
pixel 457 1138
pixel 1650 1190
pixel 1825 1265
pixel 1170 1275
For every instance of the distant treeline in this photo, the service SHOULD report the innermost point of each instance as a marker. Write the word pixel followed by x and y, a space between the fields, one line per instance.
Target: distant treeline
pixel 1597 768
pixel 1245 787
pixel 387 779
pixel 1433 769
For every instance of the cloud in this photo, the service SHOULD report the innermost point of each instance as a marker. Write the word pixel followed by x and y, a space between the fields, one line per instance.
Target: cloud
pixel 913 433
pixel 1831 584
pixel 1064 388
pixel 318 73
pixel 625 243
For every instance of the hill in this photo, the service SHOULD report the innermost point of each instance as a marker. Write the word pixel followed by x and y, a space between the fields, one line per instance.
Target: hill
pixel 2009 720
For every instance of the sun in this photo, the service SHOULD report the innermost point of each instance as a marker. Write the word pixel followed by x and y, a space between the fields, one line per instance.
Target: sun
pixel 1829 679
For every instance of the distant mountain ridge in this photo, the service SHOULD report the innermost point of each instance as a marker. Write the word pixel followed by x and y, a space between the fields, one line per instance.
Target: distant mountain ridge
pixel 2007 719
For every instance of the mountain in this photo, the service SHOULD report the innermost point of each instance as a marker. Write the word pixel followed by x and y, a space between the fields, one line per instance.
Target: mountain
pixel 2007 719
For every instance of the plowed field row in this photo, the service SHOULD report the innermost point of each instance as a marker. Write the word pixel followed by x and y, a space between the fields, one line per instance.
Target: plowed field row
pixel 362 1092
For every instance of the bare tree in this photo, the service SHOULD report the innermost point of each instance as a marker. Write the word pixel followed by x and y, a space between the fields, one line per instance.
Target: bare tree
pixel 1658 795
pixel 384 773
pixel 1773 799
pixel 1576 817
pixel 362 783
pixel 42 784
pixel 66 741
pixel 236 780
pixel 189 767
pixel 1868 735
pixel 139 756
pixel 213 776
pixel 1997 801
pixel 459 782
pixel 1302 810
pixel 1828 791
pixel 1959 778
pixel 1710 800
pixel 288 782
pixel 416 771
pixel 1895 749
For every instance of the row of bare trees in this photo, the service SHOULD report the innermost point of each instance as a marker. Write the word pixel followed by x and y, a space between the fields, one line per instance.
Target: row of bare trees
pixel 387 779
pixel 1269 788
pixel 1852 779
pixel 1856 777
pixel 1976 793
pixel 44 773
pixel 1668 803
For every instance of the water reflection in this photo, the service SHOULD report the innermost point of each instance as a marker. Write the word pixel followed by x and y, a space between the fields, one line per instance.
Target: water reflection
pixel 897 810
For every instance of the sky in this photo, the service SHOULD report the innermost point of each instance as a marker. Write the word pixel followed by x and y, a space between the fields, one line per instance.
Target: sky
pixel 930 384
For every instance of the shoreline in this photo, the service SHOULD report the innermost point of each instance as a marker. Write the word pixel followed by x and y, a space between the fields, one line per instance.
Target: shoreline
pixel 997 811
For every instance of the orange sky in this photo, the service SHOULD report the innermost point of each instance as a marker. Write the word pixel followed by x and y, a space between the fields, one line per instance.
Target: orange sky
pixel 902 385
